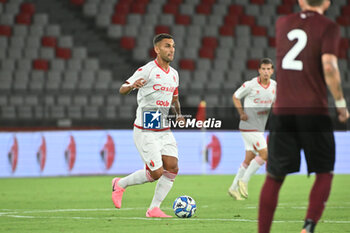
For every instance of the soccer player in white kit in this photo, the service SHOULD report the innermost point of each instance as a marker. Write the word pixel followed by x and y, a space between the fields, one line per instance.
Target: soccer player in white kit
pixel 259 95
pixel 157 85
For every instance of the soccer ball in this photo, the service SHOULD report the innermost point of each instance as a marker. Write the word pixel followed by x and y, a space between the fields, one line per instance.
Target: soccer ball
pixel 184 207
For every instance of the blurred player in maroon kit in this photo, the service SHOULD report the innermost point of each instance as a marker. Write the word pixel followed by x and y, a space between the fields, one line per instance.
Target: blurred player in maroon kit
pixel 307 46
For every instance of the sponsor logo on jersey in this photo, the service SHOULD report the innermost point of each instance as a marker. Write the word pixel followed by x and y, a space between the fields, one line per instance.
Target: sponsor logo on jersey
pixel 162 103
pixel 260 101
pixel 152 119
pixel 160 87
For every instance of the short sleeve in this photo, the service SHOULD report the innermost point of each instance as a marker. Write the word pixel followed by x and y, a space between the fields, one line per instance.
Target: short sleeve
pixel 141 72
pixel 331 39
pixel 176 92
pixel 243 91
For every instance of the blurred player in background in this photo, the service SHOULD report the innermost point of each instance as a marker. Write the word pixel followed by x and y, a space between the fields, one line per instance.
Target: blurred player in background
pixel 307 46
pixel 157 85
pixel 259 95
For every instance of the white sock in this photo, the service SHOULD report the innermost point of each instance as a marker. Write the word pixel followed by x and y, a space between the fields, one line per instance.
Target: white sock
pixel 241 170
pixel 254 165
pixel 163 187
pixel 139 177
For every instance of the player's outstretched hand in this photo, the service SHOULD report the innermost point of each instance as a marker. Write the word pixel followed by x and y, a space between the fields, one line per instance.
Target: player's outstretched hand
pixel 139 83
pixel 343 114
pixel 244 116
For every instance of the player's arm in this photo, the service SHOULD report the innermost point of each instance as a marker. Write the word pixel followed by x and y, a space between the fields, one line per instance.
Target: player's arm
pixel 238 105
pixel 177 108
pixel 126 88
pixel 333 81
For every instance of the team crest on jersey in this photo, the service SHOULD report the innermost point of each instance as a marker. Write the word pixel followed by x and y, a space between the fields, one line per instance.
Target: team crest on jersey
pixel 257 91
pixel 158 76
pixel 152 119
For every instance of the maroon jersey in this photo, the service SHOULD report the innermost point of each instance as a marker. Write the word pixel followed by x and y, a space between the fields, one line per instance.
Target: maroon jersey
pixel 301 39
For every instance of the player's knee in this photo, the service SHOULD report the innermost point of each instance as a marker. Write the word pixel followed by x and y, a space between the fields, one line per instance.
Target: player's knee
pixel 157 173
pixel 173 168
pixel 263 154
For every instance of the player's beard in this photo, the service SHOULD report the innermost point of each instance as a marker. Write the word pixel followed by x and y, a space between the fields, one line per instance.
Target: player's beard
pixel 167 58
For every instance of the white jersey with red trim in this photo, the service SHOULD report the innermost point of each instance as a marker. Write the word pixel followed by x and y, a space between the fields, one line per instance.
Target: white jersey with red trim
pixel 161 85
pixel 258 100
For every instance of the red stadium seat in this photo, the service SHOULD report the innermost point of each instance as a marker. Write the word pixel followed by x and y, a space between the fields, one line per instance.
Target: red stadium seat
pixel 207 53
pixel 49 41
pixel 343 20
pixel 345 10
pixel 343 48
pixel 161 29
pixel 77 2
pixel 259 31
pixel 231 20
pixel 64 53
pixel 227 30
pixel 170 9
pixel 128 43
pixel 152 53
pixel 119 19
pixel 137 8
pixel 247 20
pixel 257 2
pixel 187 64
pixel 236 10
pixel 40 64
pixel 122 9
pixel 183 19
pixel 210 42
pixel 290 2
pixel 204 9
pixel 253 64
pixel 24 18
pixel 5 30
pixel 28 8
pixel 284 9
pixel 272 41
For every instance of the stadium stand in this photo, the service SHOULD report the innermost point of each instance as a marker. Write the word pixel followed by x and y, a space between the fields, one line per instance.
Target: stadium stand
pixel 65 59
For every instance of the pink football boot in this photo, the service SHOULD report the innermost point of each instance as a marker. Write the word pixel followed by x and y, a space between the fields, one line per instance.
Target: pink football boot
pixel 117 193
pixel 156 213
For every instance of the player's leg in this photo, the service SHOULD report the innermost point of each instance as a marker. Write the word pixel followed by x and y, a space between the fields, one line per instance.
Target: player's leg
pixel 166 181
pixel 320 159
pixel 259 143
pixel 268 201
pixel 283 158
pixel 147 146
pixel 233 190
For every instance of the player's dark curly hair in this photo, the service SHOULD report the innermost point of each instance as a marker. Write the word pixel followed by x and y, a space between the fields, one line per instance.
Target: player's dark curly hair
pixel 266 61
pixel 160 37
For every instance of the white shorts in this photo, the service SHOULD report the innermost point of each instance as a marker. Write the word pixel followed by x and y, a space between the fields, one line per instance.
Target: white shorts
pixel 254 141
pixel 152 145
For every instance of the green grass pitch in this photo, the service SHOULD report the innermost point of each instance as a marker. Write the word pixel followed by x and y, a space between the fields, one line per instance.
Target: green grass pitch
pixel 83 204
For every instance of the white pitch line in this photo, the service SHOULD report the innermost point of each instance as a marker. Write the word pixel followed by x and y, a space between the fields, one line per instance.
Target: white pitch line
pixel 169 219
pixel 17 214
